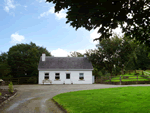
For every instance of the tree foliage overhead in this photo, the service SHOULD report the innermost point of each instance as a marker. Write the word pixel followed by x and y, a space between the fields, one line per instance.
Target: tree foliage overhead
pixel 108 14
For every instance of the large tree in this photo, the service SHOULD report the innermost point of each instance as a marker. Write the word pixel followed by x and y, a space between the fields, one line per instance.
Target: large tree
pixel 108 14
pixel 24 58
pixel 4 67
pixel 113 54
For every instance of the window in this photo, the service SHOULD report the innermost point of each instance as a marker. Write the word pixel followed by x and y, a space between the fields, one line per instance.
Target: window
pixel 81 76
pixel 67 75
pixel 46 75
pixel 57 76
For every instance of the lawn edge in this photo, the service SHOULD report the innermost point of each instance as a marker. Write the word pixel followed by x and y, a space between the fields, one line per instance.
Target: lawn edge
pixel 10 98
pixel 58 105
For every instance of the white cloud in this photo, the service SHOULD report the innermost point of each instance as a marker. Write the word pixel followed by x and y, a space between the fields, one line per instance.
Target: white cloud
pixel 16 38
pixel 59 15
pixel 64 53
pixel 9 5
pixel 60 53
pixel 94 35
pixel 81 51
pixel 25 7
pixel 118 31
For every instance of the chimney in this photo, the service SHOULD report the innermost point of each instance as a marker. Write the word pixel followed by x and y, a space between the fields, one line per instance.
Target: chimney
pixel 43 56
pixel 85 56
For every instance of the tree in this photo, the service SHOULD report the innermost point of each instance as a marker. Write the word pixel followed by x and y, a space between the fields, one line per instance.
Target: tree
pixel 93 14
pixel 4 67
pixel 24 58
pixel 113 54
pixel 143 60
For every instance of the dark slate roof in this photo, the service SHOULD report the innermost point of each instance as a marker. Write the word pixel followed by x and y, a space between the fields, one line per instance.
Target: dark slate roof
pixel 65 63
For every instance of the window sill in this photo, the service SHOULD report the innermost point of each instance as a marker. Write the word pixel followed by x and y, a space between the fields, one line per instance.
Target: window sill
pixel 81 80
pixel 57 80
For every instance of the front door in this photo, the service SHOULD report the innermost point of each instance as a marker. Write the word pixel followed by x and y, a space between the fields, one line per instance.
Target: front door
pixel 67 81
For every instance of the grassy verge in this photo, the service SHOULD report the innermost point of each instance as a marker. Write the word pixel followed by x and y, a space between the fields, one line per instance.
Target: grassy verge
pixel 110 100
pixel 132 78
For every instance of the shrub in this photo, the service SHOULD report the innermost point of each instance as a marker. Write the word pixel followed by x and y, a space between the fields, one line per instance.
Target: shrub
pixel 32 80
pixel 11 90
pixel 0 93
pixel 136 74
pixel 107 74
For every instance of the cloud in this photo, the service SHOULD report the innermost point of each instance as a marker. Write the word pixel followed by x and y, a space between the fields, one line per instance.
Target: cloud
pixel 16 38
pixel 25 7
pixel 60 53
pixel 81 51
pixel 59 15
pixel 64 53
pixel 9 5
pixel 118 31
pixel 94 35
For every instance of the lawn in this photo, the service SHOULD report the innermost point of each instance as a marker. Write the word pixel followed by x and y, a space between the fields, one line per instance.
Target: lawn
pixel 110 100
pixel 130 78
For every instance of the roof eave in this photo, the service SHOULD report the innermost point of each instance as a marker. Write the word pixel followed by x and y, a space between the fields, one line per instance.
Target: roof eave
pixel 65 69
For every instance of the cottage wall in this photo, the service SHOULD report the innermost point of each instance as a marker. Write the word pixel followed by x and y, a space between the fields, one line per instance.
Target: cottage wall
pixel 74 77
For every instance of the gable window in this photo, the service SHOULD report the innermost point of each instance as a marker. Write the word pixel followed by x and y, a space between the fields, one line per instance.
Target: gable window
pixel 81 76
pixel 57 76
pixel 67 75
pixel 46 75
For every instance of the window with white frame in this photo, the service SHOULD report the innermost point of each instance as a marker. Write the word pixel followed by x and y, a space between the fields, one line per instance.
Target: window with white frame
pixel 57 76
pixel 46 75
pixel 81 76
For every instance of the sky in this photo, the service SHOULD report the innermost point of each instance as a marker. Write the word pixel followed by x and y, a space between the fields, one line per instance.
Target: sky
pixel 23 21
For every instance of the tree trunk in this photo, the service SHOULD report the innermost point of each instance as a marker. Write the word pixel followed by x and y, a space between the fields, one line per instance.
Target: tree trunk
pixel 135 71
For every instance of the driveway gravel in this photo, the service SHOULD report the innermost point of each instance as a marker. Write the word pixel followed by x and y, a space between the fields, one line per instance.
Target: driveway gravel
pixel 34 98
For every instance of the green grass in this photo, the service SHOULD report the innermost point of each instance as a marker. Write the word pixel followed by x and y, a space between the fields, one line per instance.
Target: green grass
pixel 110 100
pixel 132 78
pixel 148 71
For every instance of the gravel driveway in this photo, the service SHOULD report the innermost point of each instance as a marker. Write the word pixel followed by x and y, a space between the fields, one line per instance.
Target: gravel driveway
pixel 33 98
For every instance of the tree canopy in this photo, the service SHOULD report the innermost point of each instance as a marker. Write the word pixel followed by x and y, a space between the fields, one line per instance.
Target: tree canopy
pixel 24 58
pixel 108 14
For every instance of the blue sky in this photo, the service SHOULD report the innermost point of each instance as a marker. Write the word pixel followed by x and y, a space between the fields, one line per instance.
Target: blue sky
pixel 23 21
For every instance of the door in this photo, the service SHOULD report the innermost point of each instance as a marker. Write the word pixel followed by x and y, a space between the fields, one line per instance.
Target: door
pixel 68 81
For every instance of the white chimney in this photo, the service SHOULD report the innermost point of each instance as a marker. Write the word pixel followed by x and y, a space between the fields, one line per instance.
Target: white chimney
pixel 84 55
pixel 43 56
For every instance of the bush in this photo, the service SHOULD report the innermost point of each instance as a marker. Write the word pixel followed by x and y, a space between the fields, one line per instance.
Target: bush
pixel 107 74
pixel 32 80
pixel 136 74
pixel 11 90
pixel 0 93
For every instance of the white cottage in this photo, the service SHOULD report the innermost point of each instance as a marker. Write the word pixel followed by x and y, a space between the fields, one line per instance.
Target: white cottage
pixel 64 70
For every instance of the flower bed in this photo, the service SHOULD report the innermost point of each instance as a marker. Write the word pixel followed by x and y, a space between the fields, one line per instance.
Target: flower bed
pixel 5 94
